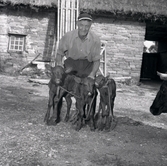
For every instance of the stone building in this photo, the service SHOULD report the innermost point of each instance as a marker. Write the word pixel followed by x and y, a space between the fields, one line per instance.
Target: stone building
pixel 30 26
pixel 124 25
pixel 26 29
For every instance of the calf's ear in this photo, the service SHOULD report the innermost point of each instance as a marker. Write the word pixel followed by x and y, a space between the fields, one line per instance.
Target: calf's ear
pixel 48 70
pixel 96 84
pixel 107 77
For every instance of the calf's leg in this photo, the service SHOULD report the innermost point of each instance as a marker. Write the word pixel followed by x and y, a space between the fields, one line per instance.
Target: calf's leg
pixel 92 113
pixel 80 114
pixel 50 105
pixel 111 122
pixel 55 118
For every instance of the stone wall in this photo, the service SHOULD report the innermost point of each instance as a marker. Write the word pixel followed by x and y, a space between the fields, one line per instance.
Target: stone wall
pixel 124 39
pixel 124 46
pixel 39 28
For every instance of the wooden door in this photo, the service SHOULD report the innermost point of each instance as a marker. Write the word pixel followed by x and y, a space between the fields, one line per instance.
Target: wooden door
pixel 68 11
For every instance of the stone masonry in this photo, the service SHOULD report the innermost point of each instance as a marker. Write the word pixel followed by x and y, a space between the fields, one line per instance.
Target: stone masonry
pixel 38 27
pixel 124 39
pixel 124 46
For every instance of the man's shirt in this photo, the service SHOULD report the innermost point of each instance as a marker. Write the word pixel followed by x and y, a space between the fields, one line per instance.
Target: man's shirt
pixel 72 46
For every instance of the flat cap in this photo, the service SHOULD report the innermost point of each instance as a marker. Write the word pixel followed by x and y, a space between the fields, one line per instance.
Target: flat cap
pixel 85 16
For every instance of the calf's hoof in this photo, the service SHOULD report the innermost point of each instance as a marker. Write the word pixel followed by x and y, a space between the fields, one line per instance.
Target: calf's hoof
pixel 100 124
pixel 78 125
pixel 52 122
pixel 91 125
pixel 107 123
pixel 113 124
pixel 66 119
pixel 46 118
pixel 92 128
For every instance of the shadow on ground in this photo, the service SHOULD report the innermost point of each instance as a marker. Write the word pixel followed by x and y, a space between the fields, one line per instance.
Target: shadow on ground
pixel 26 140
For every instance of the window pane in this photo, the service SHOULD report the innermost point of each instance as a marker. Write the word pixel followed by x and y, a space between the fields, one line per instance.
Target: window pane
pixel 12 37
pixel 20 48
pixel 20 43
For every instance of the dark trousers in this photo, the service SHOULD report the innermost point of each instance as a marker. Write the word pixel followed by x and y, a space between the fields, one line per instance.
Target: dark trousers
pixel 81 67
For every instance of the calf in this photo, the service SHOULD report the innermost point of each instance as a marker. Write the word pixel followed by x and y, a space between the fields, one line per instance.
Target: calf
pixel 83 90
pixel 159 104
pixel 107 89
pixel 86 103
pixel 57 79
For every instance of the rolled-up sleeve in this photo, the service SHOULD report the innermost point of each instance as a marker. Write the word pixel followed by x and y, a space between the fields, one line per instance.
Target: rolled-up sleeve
pixel 63 45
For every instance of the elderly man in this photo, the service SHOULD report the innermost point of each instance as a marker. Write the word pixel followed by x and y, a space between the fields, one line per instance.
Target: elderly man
pixel 81 47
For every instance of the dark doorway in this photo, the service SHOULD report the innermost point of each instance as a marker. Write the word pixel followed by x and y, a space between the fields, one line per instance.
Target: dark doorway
pixel 149 66
pixel 153 62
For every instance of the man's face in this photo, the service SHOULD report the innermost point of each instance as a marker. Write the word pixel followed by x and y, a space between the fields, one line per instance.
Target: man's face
pixel 83 27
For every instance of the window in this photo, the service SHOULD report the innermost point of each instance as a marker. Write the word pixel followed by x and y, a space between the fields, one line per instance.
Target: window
pixel 16 42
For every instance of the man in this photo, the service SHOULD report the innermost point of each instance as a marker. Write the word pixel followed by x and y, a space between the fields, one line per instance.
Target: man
pixel 81 47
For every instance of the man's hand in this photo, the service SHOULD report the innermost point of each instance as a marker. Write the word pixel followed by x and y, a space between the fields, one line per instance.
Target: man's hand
pixel 60 65
pixel 90 81
pixel 91 76
pixel 96 65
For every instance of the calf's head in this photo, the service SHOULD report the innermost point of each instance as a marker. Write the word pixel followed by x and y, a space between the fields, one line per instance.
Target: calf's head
pixel 56 73
pixel 90 85
pixel 100 81
pixel 159 104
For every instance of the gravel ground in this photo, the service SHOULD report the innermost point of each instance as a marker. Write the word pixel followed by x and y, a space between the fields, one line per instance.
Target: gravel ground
pixel 139 138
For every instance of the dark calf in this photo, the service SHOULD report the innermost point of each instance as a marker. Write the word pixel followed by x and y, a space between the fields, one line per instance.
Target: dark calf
pixel 107 88
pixel 86 103
pixel 57 79
pixel 159 104
pixel 82 90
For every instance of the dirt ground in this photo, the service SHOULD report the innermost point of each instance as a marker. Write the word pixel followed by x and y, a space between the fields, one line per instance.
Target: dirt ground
pixel 139 138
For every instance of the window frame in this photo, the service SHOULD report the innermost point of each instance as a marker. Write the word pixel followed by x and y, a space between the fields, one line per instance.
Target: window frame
pixel 16 39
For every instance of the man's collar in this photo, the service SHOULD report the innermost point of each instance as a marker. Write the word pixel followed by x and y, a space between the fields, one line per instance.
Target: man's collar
pixel 87 37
